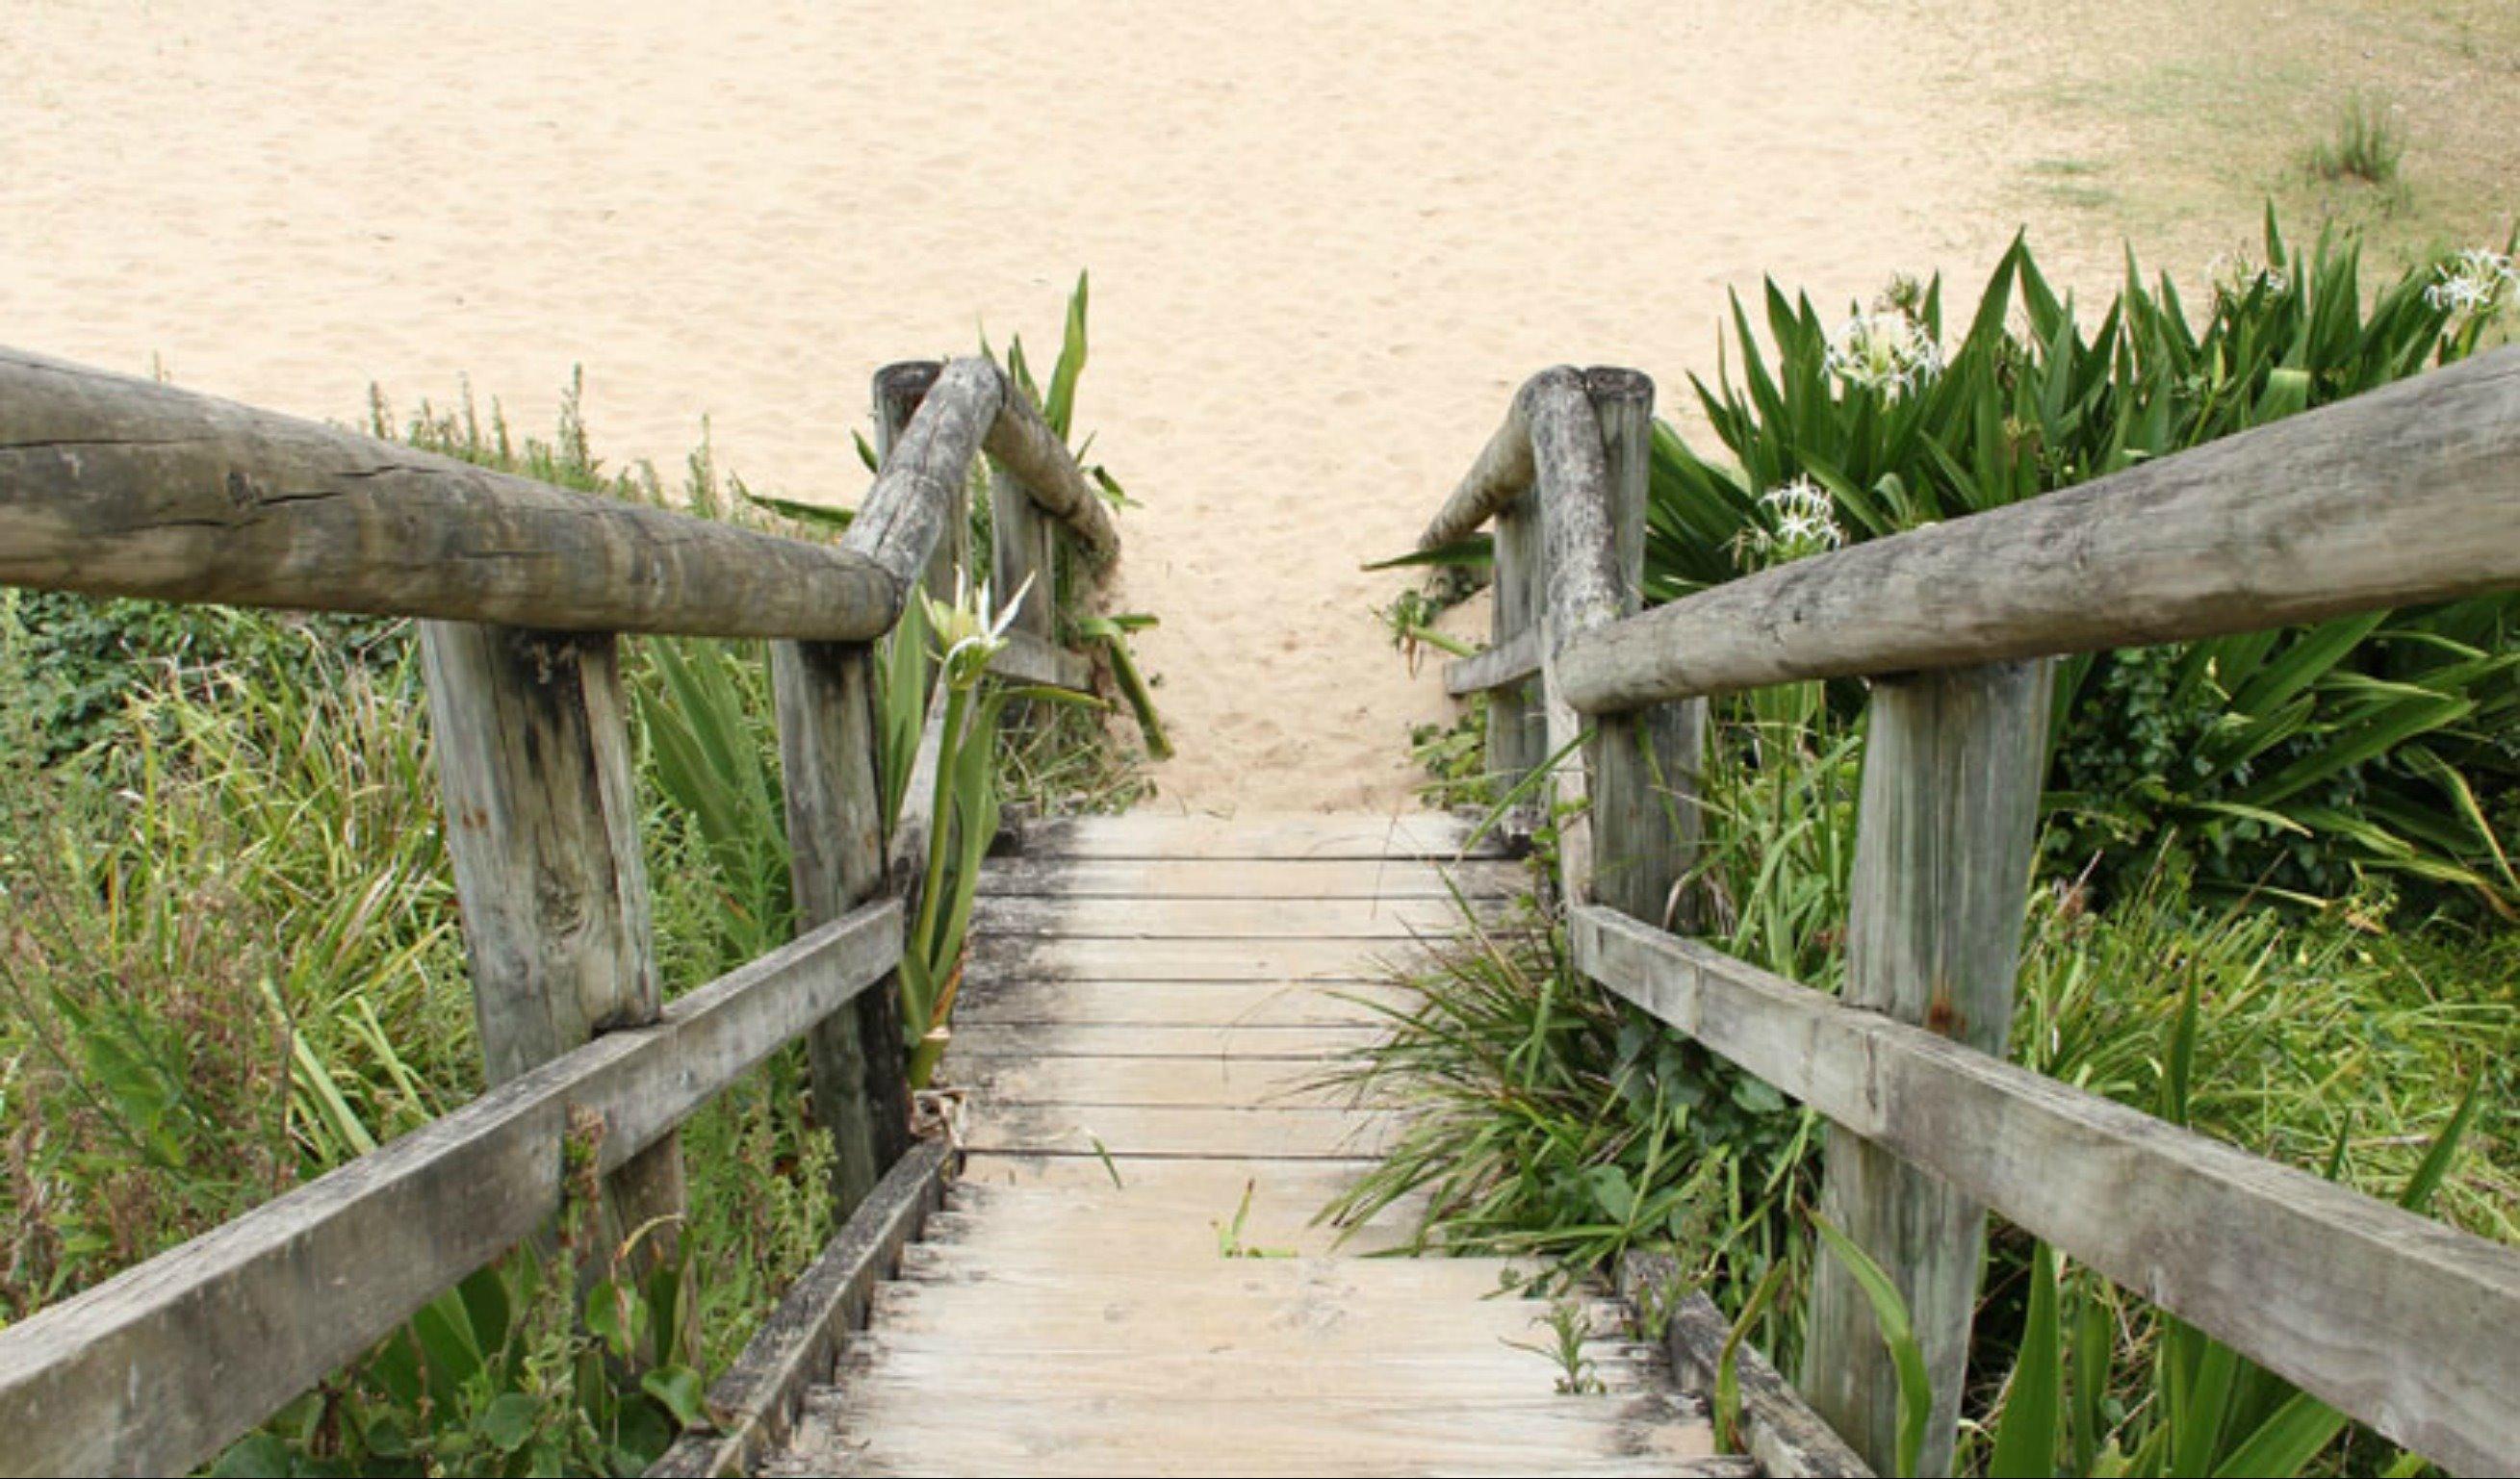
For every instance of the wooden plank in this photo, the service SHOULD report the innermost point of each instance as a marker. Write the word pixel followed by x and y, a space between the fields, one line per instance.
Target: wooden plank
pixel 824 697
pixel 1233 879
pixel 898 1426
pixel 1776 1426
pixel 1209 1082
pixel 2406 495
pixel 753 1406
pixel 1242 1043
pixel 1945 830
pixel 1026 658
pixel 1518 736
pixel 1126 1130
pixel 1236 1005
pixel 1333 1319
pixel 1434 836
pixel 541 824
pixel 1326 919
pixel 1023 560
pixel 1085 1373
pixel 2403 1323
pixel 1511 660
pixel 156 1368
pixel 1011 961
pixel 115 486
pixel 1175 1209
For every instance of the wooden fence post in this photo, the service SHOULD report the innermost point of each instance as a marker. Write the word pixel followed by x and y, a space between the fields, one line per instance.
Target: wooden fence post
pixel 898 391
pixel 533 760
pixel 1516 597
pixel 1023 544
pixel 1645 762
pixel 825 694
pixel 1945 832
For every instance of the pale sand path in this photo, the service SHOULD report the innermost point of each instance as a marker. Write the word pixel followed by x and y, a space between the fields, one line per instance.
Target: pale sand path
pixel 1327 241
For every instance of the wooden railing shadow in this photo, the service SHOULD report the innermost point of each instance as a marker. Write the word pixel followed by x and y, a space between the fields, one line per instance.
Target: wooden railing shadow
pixel 110 486
pixel 2407 495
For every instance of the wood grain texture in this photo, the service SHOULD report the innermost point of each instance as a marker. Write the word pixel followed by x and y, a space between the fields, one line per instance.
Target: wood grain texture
pixel 1034 877
pixel 1072 919
pixel 1023 443
pixel 1503 472
pixel 916 508
pixel 1023 556
pixel 897 392
pixel 114 486
pixel 1513 658
pixel 156 1369
pixel 2403 1323
pixel 1643 780
pixel 1431 836
pixel 1776 1426
pixel 2405 495
pixel 1006 962
pixel 753 1406
pixel 1945 831
pixel 825 699
pixel 1131 1275
pixel 1026 658
pixel 542 824
pixel 1584 590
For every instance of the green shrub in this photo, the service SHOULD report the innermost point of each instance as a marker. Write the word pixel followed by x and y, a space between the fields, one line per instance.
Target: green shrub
pixel 2296 760
pixel 2367 145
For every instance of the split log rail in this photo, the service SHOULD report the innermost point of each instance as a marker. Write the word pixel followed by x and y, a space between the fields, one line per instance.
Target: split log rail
pixel 2404 496
pixel 112 487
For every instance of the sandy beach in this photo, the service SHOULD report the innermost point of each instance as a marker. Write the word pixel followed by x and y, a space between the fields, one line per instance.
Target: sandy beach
pixel 1327 240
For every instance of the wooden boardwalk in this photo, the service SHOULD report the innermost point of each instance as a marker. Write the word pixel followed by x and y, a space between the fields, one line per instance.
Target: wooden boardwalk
pixel 1147 1002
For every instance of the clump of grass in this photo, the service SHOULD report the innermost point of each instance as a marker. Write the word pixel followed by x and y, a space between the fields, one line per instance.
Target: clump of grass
pixel 2367 145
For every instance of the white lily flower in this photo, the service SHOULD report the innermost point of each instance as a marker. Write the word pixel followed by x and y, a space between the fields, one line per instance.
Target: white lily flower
pixel 1884 351
pixel 2474 285
pixel 1806 523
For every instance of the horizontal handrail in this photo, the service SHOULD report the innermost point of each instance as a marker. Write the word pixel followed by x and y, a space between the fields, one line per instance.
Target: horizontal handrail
pixel 2406 1323
pixel 156 1368
pixel 115 486
pixel 2407 495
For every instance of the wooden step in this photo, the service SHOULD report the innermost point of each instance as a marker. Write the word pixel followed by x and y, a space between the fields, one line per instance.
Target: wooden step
pixel 1428 836
pixel 1268 1132
pixel 882 1425
pixel 1222 1005
pixel 1255 918
pixel 1005 960
pixel 1242 1042
pixel 1204 1082
pixel 1032 875
pixel 1134 1275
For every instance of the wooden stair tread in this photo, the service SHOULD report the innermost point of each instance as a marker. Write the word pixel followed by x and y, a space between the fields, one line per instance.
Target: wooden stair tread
pixel 1131 1276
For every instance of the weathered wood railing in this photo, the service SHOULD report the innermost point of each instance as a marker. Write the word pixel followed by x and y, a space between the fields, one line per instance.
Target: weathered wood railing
pixel 115 486
pixel 2407 495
